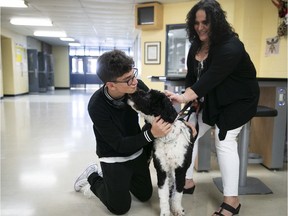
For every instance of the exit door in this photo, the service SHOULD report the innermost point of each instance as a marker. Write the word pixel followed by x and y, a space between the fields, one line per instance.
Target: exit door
pixel 83 70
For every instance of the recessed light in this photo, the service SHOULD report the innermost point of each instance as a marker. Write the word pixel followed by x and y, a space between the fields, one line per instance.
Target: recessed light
pixel 74 44
pixel 67 39
pixel 50 33
pixel 31 21
pixel 13 3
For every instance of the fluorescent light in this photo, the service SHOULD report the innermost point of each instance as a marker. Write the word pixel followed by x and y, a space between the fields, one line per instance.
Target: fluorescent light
pixel 13 3
pixel 31 21
pixel 67 39
pixel 74 44
pixel 50 33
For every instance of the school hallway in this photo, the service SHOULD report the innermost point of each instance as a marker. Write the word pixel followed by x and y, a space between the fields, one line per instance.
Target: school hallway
pixel 47 140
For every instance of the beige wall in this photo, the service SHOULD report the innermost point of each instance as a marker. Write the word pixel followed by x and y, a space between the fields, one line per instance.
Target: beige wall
pixel 250 31
pixel 254 21
pixel 172 14
pixel 276 65
pixel 8 74
pixel 15 69
pixel 1 74
pixel 14 74
pixel 61 66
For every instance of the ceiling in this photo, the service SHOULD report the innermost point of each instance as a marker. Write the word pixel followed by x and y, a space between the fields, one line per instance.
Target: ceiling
pixel 90 22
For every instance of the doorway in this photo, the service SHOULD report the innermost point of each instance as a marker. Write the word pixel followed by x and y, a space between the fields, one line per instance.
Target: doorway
pixel 83 71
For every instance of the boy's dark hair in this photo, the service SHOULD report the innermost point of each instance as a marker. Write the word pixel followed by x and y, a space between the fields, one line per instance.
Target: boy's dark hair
pixel 113 64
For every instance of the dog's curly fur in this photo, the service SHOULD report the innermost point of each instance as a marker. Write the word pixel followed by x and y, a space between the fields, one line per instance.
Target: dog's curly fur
pixel 172 153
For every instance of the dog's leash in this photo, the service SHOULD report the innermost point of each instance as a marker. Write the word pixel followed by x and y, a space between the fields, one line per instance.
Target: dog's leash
pixel 182 114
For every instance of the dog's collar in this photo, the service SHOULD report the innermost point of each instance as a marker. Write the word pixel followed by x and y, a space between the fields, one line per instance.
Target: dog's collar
pixel 182 114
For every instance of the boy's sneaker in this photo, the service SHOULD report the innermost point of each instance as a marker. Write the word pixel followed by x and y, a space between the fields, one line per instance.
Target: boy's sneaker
pixel 82 180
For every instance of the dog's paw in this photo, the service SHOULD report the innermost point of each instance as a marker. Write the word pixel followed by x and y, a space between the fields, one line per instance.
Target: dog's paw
pixel 165 213
pixel 178 212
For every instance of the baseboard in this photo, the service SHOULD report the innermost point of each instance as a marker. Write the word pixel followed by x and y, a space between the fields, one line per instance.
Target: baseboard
pixel 15 95
pixel 62 88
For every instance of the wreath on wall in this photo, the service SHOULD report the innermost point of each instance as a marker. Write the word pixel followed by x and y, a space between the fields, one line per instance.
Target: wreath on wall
pixel 283 16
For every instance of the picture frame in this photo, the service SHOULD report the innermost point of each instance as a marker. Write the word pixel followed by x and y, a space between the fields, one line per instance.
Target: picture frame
pixel 152 52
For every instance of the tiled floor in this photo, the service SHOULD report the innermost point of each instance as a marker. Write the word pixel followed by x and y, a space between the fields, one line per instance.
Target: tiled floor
pixel 47 140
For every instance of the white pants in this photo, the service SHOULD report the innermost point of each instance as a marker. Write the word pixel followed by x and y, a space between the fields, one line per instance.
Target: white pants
pixel 203 128
pixel 227 154
pixel 228 160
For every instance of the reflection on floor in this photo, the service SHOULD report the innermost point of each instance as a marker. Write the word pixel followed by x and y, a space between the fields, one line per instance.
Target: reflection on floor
pixel 47 140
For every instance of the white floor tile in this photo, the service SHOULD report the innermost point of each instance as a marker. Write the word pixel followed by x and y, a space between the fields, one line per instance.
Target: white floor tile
pixel 46 142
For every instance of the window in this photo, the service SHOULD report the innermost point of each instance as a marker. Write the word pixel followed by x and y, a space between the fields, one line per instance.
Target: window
pixel 177 48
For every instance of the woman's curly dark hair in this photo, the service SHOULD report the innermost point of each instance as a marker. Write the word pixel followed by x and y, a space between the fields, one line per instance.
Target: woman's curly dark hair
pixel 220 29
pixel 113 64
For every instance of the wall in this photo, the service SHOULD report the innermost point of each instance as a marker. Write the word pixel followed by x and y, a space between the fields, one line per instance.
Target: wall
pixel 274 65
pixel 254 21
pixel 8 74
pixel 1 74
pixel 15 76
pixel 173 14
pixel 33 43
pixel 60 62
pixel 250 27
pixel 61 66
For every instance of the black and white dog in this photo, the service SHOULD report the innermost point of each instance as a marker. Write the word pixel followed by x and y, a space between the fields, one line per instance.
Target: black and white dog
pixel 171 154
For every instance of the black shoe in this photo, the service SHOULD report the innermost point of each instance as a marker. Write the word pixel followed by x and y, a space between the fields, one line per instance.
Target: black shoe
pixel 189 190
pixel 227 207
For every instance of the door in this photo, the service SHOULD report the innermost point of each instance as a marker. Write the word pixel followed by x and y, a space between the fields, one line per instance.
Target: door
pixel 83 71
pixel 33 75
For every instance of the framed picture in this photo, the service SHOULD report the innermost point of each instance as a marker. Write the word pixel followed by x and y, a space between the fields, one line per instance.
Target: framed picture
pixel 152 52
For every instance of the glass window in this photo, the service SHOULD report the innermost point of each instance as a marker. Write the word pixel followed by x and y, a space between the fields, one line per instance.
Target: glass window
pixel 77 65
pixel 177 48
pixel 91 65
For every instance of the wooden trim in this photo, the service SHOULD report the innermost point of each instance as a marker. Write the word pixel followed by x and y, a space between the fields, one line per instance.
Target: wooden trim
pixel 157 19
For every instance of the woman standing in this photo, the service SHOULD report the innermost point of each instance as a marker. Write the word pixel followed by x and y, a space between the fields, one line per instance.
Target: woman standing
pixel 222 75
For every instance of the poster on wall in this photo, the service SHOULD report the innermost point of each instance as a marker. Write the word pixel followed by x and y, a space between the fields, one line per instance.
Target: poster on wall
pixel 272 46
pixel 21 59
pixel 19 53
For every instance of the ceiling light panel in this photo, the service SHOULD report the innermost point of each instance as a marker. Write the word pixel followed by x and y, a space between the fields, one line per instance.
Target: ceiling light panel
pixel 31 21
pixel 67 39
pixel 59 34
pixel 74 44
pixel 13 3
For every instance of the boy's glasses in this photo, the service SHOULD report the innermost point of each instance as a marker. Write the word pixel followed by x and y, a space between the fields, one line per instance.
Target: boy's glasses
pixel 129 81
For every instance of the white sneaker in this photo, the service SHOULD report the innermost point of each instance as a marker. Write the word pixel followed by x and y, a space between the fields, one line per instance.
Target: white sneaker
pixel 82 180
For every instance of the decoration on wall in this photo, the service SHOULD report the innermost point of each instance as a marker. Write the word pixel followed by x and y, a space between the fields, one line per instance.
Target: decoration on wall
pixel 283 16
pixel 20 51
pixel 152 52
pixel 272 46
pixel 21 59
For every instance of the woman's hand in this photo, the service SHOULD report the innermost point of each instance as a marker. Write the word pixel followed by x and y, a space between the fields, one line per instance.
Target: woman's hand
pixel 175 98
pixel 160 128
pixel 188 95
pixel 194 131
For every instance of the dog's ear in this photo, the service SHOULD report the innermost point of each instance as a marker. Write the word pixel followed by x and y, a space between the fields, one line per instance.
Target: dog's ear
pixel 163 106
pixel 144 101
